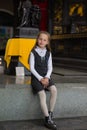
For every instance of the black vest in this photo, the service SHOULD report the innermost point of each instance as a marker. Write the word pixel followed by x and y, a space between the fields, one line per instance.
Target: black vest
pixel 41 63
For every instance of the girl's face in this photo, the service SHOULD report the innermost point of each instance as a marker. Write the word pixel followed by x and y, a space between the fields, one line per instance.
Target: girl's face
pixel 42 40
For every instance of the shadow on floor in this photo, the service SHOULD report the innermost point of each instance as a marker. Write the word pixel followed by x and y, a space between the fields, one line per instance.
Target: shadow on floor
pixel 79 123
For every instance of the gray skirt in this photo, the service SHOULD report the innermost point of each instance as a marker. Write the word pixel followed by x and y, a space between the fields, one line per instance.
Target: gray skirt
pixel 38 86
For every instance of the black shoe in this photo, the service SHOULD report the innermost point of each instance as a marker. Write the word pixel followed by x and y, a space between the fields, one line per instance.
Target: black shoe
pixel 50 124
pixel 51 116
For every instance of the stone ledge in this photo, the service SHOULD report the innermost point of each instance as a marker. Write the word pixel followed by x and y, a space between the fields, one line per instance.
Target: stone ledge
pixel 18 102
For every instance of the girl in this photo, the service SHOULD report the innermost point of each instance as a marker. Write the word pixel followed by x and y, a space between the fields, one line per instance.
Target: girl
pixel 41 69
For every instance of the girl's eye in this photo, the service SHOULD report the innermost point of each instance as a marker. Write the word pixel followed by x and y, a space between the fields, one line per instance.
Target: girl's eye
pixel 40 38
pixel 44 39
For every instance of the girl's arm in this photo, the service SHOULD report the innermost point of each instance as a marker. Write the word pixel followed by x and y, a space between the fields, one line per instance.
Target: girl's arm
pixel 32 68
pixel 50 67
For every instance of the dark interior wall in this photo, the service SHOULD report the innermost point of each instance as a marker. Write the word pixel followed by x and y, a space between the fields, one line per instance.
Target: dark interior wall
pixel 6 23
pixel 6 13
pixel 7 5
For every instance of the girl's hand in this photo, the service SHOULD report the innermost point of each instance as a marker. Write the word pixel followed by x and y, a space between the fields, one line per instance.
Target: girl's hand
pixel 45 82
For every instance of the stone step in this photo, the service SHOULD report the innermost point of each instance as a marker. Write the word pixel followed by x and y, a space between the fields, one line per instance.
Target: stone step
pixel 78 64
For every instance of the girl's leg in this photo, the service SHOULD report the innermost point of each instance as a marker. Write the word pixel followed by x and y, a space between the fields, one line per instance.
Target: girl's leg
pixel 48 122
pixel 42 97
pixel 53 96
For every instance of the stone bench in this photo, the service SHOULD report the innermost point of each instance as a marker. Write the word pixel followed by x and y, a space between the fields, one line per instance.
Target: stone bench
pixel 18 103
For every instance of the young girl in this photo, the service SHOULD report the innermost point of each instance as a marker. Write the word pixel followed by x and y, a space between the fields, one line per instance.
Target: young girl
pixel 41 69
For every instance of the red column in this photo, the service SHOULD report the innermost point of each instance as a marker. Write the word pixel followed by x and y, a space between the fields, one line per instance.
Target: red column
pixel 43 4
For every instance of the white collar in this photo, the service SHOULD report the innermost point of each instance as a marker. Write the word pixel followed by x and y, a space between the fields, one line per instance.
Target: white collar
pixel 42 49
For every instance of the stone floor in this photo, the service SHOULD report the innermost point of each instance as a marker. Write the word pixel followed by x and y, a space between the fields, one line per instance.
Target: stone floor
pixel 59 75
pixel 79 123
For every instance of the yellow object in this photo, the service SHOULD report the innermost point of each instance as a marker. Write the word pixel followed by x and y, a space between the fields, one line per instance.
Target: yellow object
pixel 80 11
pixel 79 8
pixel 19 47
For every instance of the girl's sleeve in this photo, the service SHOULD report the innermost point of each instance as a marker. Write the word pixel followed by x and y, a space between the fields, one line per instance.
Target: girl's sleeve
pixel 32 68
pixel 50 67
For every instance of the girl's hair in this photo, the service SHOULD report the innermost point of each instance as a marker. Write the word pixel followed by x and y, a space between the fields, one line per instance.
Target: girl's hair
pixel 49 38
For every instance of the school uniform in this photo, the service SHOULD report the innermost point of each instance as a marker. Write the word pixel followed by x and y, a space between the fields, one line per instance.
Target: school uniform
pixel 40 66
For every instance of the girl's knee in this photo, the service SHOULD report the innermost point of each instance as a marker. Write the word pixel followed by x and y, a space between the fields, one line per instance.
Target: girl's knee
pixel 53 89
pixel 41 93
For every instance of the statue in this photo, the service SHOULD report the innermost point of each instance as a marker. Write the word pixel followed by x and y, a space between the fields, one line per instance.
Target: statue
pixel 29 15
pixel 23 12
pixel 28 19
pixel 35 16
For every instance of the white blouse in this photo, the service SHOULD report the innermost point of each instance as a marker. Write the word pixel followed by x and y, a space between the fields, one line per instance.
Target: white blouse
pixel 42 53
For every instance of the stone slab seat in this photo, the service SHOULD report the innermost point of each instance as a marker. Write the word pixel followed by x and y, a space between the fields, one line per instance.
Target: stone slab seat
pixel 18 103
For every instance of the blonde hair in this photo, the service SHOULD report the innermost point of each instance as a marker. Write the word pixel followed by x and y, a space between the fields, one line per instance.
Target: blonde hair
pixel 49 38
